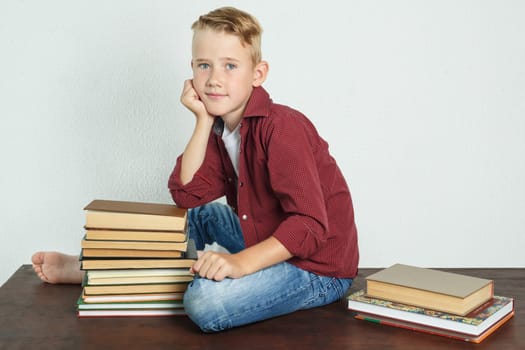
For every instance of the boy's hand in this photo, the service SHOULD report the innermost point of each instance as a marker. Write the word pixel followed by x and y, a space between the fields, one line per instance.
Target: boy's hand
pixel 217 266
pixel 191 100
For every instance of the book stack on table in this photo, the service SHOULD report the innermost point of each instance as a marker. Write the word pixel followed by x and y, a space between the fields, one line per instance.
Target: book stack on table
pixel 432 301
pixel 136 257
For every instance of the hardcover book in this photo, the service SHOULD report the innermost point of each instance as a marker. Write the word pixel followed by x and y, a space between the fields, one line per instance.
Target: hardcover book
pixel 96 274
pixel 131 312
pixel 473 324
pixel 95 244
pixel 122 215
pixel 163 304
pixel 434 330
pixel 132 235
pixel 114 263
pixel 131 298
pixel 129 253
pixel 136 288
pixel 139 280
pixel 429 288
pixel 102 264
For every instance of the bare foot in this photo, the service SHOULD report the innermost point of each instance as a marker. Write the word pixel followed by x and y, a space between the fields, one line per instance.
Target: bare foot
pixel 54 267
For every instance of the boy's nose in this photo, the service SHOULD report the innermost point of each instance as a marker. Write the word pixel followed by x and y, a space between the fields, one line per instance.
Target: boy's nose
pixel 214 78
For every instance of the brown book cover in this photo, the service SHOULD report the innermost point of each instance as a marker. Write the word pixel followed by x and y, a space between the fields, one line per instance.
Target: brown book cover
pixel 130 235
pixel 131 298
pixel 136 288
pixel 115 263
pixel 130 253
pixel 102 264
pixel 136 208
pixel 180 246
pixel 122 215
pixel 429 288
pixel 139 280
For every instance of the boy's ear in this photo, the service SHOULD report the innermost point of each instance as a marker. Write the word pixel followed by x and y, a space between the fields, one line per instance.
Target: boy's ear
pixel 260 73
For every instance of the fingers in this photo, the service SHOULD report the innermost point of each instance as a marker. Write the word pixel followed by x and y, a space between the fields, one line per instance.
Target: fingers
pixel 213 266
pixel 191 100
pixel 188 86
pixel 188 93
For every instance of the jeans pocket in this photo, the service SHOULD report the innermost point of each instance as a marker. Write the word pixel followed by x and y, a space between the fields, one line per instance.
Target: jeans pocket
pixel 326 290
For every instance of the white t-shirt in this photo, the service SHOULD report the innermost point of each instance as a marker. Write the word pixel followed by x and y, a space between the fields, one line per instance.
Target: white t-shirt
pixel 232 141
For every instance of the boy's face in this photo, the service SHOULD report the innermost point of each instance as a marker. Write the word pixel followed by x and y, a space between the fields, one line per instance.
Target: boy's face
pixel 223 73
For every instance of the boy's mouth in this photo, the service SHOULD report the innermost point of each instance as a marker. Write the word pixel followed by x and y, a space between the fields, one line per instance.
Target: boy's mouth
pixel 215 96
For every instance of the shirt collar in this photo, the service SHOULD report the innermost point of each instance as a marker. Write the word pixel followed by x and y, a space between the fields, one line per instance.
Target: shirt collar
pixel 258 104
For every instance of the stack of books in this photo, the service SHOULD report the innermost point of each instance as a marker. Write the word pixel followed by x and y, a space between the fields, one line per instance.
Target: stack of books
pixel 432 301
pixel 136 257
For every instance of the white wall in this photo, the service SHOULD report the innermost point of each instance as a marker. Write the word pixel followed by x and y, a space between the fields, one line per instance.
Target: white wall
pixel 422 102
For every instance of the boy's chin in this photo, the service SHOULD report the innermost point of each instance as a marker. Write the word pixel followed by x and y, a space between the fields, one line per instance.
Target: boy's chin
pixel 217 112
pixel 220 110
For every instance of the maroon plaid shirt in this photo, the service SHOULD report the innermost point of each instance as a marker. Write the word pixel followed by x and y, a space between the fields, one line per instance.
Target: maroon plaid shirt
pixel 289 186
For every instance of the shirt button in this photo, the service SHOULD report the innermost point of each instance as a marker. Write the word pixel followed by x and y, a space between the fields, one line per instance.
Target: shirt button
pixel 241 184
pixel 230 179
pixel 245 217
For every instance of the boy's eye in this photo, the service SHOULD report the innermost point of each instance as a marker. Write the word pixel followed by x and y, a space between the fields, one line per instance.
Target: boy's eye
pixel 203 65
pixel 230 66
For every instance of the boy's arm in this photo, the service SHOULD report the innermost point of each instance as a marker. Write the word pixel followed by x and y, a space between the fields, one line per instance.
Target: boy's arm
pixel 195 150
pixel 218 266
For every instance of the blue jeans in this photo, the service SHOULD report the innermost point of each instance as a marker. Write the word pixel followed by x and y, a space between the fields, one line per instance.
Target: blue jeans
pixel 277 290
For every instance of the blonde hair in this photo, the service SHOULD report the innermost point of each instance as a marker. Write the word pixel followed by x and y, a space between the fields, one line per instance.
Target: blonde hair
pixel 233 21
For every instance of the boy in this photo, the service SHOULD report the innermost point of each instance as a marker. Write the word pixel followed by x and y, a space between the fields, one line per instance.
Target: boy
pixel 289 224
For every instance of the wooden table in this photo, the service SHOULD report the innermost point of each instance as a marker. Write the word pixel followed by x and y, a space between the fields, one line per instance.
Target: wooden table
pixel 36 315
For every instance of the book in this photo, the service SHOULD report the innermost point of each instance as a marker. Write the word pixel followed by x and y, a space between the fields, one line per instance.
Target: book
pixel 162 304
pixel 131 235
pixel 130 298
pixel 97 264
pixel 94 274
pixel 139 280
pixel 136 257
pixel 429 288
pixel 136 288
pixel 122 215
pixel 180 246
pixel 130 313
pixel 112 263
pixel 434 330
pixel 130 253
pixel 473 324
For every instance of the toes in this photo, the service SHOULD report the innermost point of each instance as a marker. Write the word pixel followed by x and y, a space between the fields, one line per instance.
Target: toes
pixel 38 258
pixel 42 277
